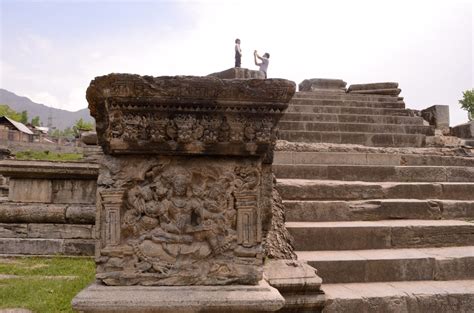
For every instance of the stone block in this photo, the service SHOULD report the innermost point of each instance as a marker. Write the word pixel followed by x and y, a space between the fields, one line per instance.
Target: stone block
pixel 13 230
pixel 20 190
pixel 81 214
pixel 325 84
pixel 184 299
pixel 60 231
pixel 89 138
pixel 291 275
pixel 238 73
pixel 29 246
pixel 438 116
pixel 464 130
pixel 13 212
pixel 386 92
pixel 74 191
pixel 372 86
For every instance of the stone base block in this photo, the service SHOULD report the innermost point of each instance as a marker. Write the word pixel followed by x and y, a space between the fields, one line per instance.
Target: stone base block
pixel 298 284
pixel 464 130
pixel 182 299
pixel 238 73
pixel 322 84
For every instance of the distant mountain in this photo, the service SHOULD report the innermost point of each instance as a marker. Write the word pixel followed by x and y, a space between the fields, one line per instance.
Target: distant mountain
pixel 60 118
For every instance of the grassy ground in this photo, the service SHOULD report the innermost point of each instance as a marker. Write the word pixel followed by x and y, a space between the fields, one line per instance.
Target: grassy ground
pixel 43 284
pixel 47 156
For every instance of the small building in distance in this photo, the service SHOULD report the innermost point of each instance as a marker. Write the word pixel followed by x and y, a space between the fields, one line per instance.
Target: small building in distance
pixel 11 130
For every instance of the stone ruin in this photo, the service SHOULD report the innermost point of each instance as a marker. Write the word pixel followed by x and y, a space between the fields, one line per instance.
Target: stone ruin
pixel 185 192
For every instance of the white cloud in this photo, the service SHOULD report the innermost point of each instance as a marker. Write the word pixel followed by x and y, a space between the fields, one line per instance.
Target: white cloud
pixel 426 46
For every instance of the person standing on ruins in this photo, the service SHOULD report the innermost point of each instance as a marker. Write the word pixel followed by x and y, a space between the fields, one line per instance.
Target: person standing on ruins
pixel 264 64
pixel 238 53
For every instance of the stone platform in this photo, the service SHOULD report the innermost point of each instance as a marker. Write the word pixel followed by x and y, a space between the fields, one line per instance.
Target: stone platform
pixel 179 299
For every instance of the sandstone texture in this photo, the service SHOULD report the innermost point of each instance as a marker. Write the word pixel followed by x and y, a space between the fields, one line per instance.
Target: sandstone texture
pixel 238 73
pixel 325 84
pixel 196 209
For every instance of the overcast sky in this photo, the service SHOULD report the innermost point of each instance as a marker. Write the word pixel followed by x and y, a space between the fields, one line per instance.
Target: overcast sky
pixel 51 50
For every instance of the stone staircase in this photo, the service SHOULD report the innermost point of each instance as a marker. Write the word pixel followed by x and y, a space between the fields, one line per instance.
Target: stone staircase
pixel 371 120
pixel 387 222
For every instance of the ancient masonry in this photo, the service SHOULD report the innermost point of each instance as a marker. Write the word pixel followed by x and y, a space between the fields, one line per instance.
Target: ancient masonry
pixel 379 198
pixel 380 202
pixel 184 195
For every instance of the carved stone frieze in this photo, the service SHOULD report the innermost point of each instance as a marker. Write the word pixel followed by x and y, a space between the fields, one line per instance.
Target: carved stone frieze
pixel 186 114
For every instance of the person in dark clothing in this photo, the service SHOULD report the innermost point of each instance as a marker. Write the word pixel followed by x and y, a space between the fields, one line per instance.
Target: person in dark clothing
pixel 238 53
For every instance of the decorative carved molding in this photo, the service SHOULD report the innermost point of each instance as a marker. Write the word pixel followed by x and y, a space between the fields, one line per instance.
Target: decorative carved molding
pixel 187 115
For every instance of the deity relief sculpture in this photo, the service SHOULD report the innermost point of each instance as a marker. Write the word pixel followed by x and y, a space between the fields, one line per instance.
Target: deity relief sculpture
pixel 183 223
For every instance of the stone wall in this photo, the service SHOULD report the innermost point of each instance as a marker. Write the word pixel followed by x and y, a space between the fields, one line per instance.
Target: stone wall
pixel 50 208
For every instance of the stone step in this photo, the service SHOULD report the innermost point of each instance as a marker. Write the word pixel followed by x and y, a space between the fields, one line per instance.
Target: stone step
pixel 300 189
pixel 358 138
pixel 343 96
pixel 375 173
pixel 454 296
pixel 352 118
pixel 41 246
pixel 385 234
pixel 374 210
pixel 47 231
pixel 310 126
pixel 351 266
pixel 356 158
pixel 347 110
pixel 348 103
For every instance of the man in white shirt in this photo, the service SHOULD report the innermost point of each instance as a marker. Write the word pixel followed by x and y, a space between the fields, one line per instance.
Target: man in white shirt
pixel 264 64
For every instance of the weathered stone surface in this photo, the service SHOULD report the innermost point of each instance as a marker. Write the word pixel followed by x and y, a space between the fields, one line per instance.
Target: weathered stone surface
pixel 80 214
pixel 89 138
pixel 414 297
pixel 74 191
pixel 464 130
pixel 238 73
pixel 41 246
pixel 52 190
pixel 298 189
pixel 438 116
pixel 197 219
pixel 278 243
pixel 291 275
pixel 48 170
pixel 32 213
pixel 298 283
pixel 20 190
pixel 388 92
pixel 187 115
pixel 60 231
pixel 325 84
pixel 442 263
pixel 372 86
pixel 186 299
pixel 380 234
pixel 14 212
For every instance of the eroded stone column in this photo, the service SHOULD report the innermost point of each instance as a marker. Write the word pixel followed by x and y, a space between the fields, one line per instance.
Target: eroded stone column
pixel 182 195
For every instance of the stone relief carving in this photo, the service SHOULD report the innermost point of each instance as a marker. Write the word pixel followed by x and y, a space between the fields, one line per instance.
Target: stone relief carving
pixel 184 225
pixel 208 129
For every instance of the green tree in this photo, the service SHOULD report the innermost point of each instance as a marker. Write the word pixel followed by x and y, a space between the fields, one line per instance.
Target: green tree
pixel 35 121
pixel 5 110
pixel 24 117
pixel 467 103
pixel 82 125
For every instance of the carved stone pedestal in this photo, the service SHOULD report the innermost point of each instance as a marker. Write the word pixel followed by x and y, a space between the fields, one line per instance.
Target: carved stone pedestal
pixel 184 193
pixel 179 299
